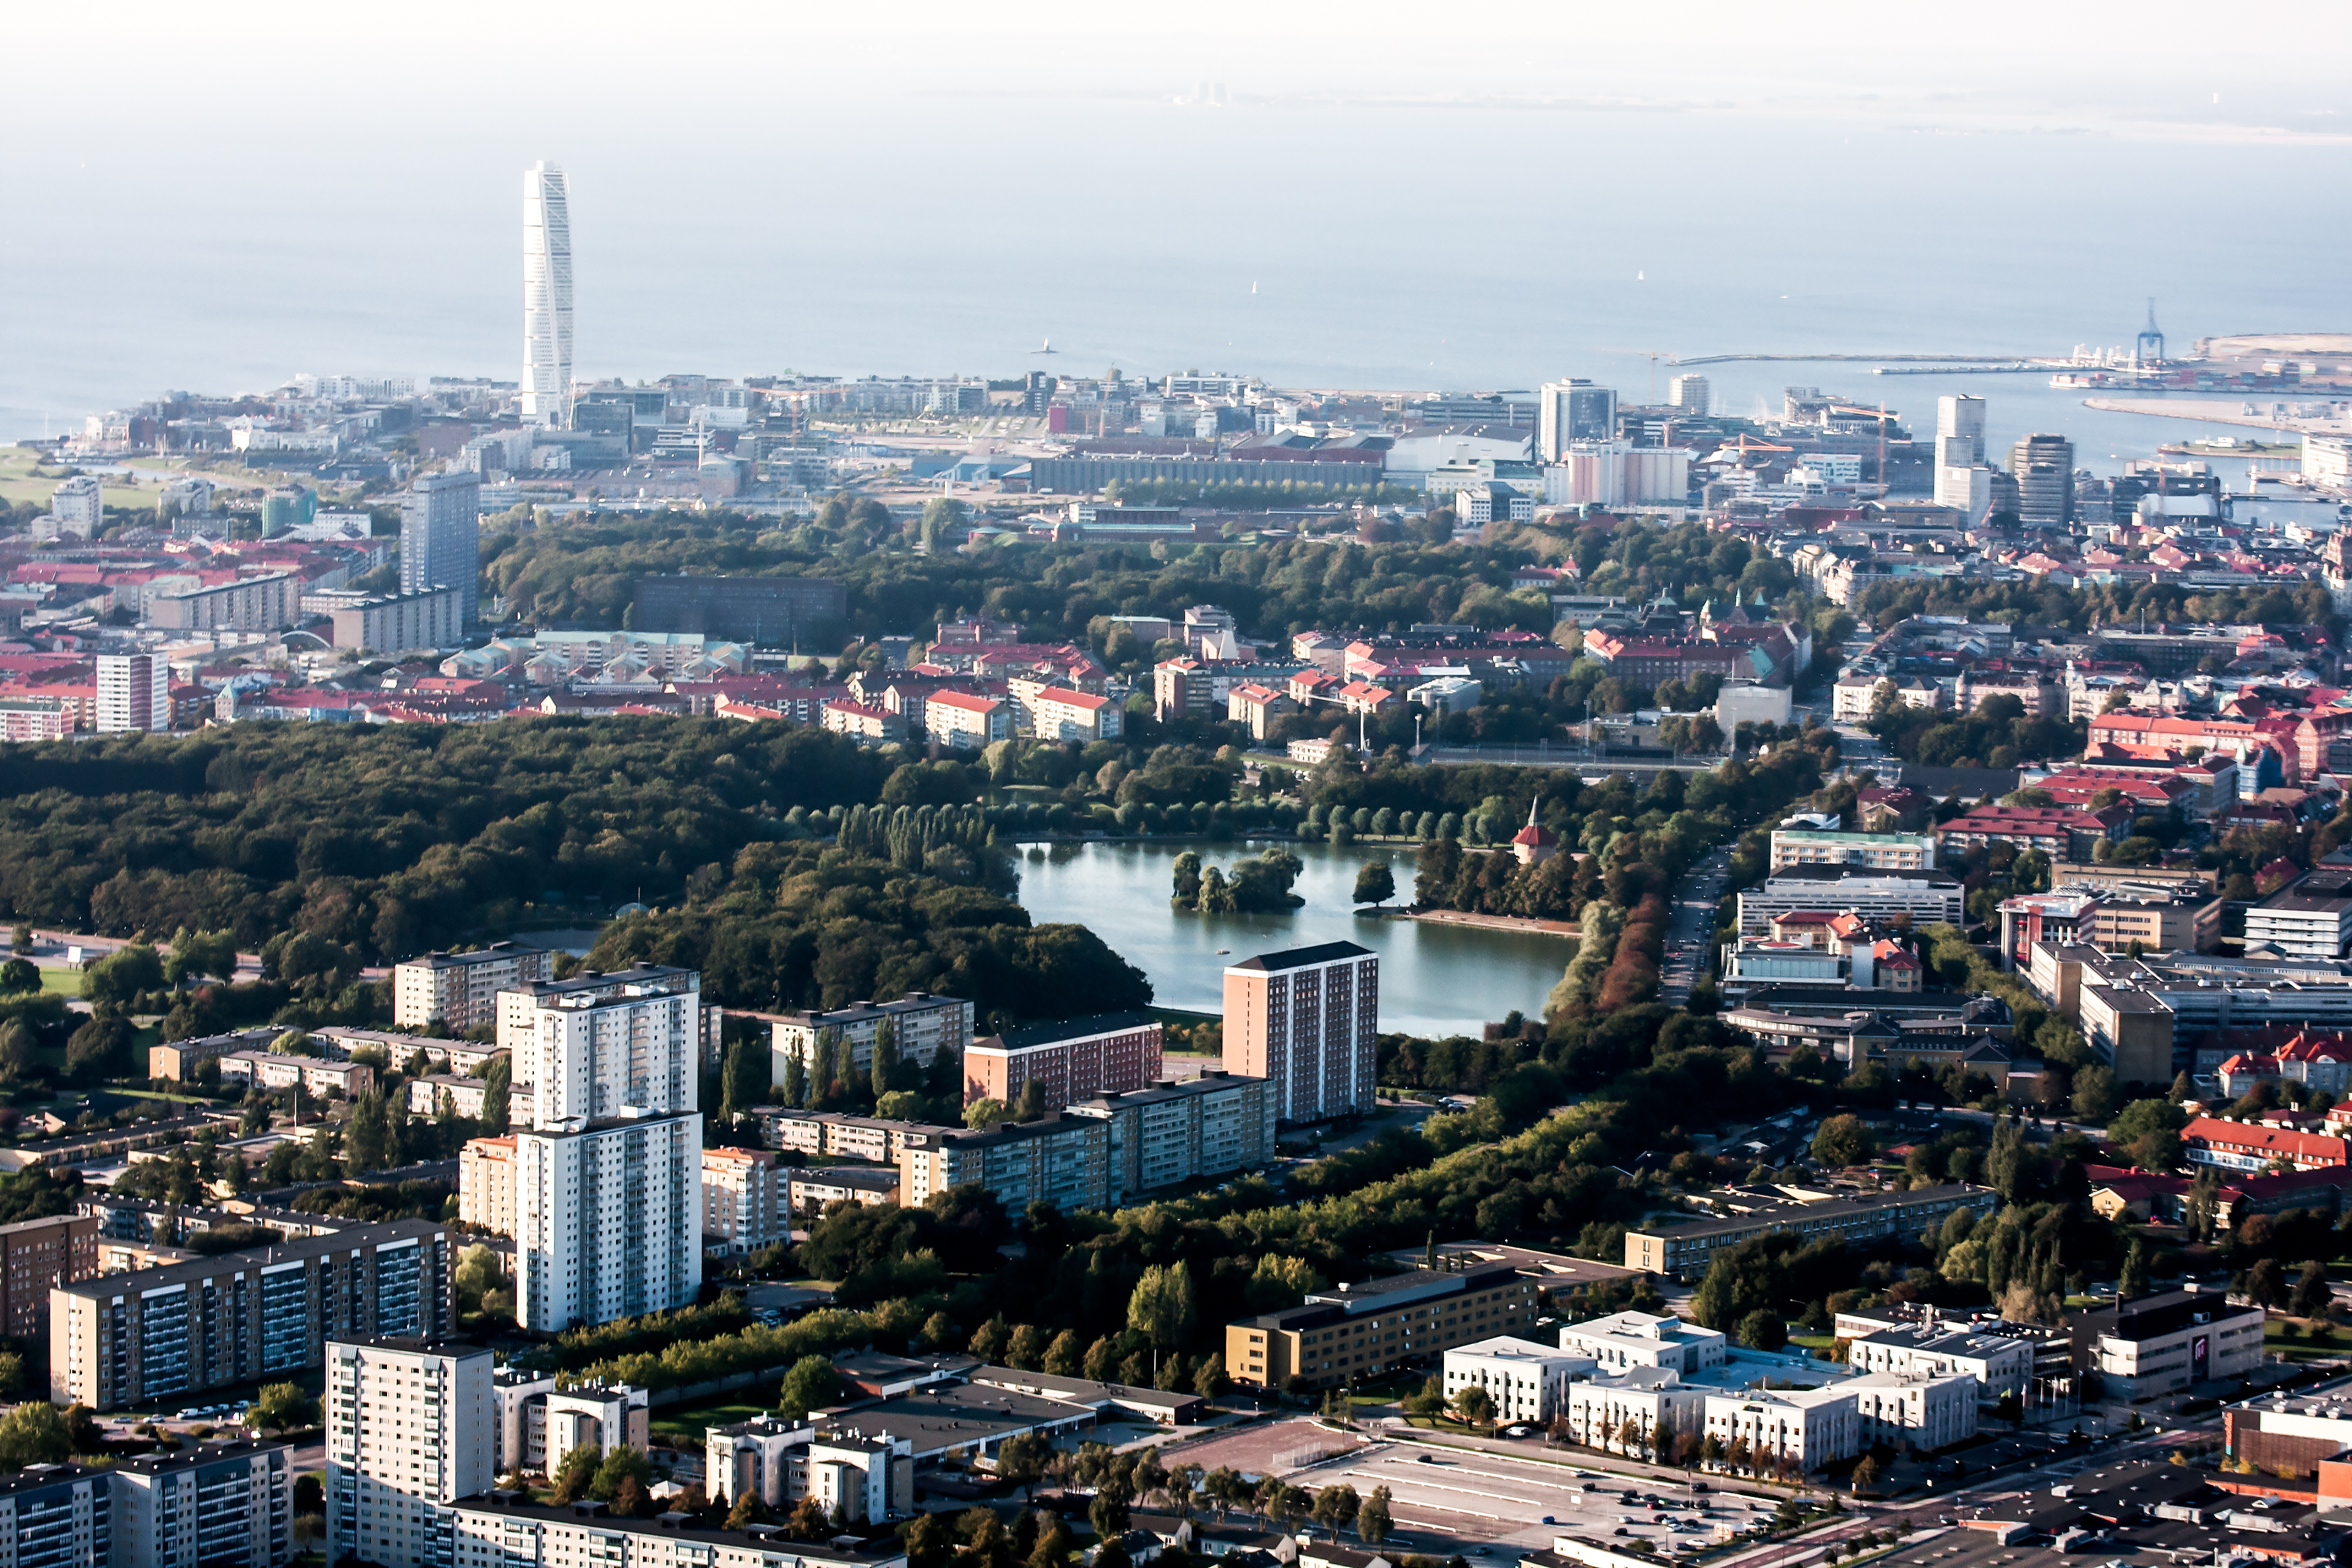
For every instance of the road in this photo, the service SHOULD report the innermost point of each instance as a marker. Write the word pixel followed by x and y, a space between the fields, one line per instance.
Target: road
pixel 1693 928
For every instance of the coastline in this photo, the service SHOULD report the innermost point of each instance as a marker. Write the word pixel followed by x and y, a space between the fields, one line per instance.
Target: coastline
pixel 1524 923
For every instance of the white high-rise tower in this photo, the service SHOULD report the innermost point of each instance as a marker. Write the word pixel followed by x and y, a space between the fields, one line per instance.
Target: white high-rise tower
pixel 546 295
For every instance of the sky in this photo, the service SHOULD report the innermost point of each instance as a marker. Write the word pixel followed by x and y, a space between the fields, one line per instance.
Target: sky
pixel 1463 195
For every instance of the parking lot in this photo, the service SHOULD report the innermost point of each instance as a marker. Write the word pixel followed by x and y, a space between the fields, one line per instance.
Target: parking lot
pixel 1448 1497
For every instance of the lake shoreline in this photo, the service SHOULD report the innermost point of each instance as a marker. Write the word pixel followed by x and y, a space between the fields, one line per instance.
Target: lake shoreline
pixel 1567 928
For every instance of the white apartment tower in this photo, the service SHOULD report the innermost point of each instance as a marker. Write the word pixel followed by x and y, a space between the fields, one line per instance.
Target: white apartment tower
pixel 441 539
pixel 79 505
pixel 546 295
pixel 409 1431
pixel 134 692
pixel 1690 392
pixel 608 1176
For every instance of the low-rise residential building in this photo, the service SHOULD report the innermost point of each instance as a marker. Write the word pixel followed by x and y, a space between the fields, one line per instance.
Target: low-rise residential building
pixel 964 721
pixel 1526 1379
pixel 459 991
pixel 318 1076
pixel 1056 713
pixel 739 1200
pixel 1361 1330
pixel 866 726
pixel 810 1189
pixel 2251 1146
pixel 921 1025
pixel 2061 833
pixel 1108 1053
pixel 178 1060
pixel 498 1529
pixel 464 1096
pixel 1683 1251
pixel 831 1135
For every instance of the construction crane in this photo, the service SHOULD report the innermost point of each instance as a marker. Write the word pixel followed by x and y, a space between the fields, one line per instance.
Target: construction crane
pixel 2148 349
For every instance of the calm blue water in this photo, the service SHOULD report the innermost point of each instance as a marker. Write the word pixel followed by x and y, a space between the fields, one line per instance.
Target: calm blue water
pixel 1401 247
pixel 1434 979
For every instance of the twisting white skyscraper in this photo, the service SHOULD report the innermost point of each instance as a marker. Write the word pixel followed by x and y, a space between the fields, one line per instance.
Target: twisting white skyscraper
pixel 546 294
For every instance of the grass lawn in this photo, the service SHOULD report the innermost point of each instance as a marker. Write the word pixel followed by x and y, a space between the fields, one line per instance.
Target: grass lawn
pixel 2300 1346
pixel 64 982
pixel 688 1423
pixel 1813 1341
pixel 17 484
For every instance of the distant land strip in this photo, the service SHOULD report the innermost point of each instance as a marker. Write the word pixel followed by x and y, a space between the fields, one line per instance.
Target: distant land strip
pixel 1889 358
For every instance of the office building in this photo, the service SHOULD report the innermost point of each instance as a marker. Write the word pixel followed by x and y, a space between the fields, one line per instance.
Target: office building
pixel 1063 1160
pixel 2309 918
pixel 546 297
pixel 1109 1053
pixel 739 1200
pixel 1599 1406
pixel 79 505
pixel 2164 1343
pixel 409 1431
pixel 1880 896
pixel 400 623
pixel 1959 431
pixel 1968 490
pixel 59 1516
pixel 35 1256
pixel 1623 1340
pixel 608 1176
pixel 441 539
pixel 1798 1429
pixel 1177 1130
pixel 1913 1412
pixel 229 1504
pixel 1306 1020
pixel 1877 852
pixel 163 1334
pixel 1572 411
pixel 1359 1330
pixel 460 991
pixel 501 1531
pixel 922 1026
pixel 764 612
pixel 134 692
pixel 1691 394
pixel 485 1184
pixel 1527 1380
pixel 1998 1364
pixel 1683 1251
pixel 2043 468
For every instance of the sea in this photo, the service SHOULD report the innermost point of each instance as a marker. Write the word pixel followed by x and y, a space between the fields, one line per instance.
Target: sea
pixel 1455 248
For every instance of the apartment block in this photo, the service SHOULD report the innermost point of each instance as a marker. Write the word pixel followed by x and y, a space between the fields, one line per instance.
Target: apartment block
pixel 921 1024
pixel 267 603
pixel 520 1005
pixel 1306 1020
pixel 59 1516
pixel 1184 1130
pixel 1063 1160
pixel 1056 713
pixel 318 1076
pixel 229 1504
pixel 739 1200
pixel 608 1217
pixel 1109 1053
pixel 964 721
pixel 485 1184
pixel 869 1476
pixel 831 1135
pixel 138 1338
pixel 409 1431
pixel 460 991
pixel 500 1532
pixel 1359 1330
pixel 36 1256
pixel 812 1190
pixel 134 692
pixel 395 622
pixel 1683 1251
